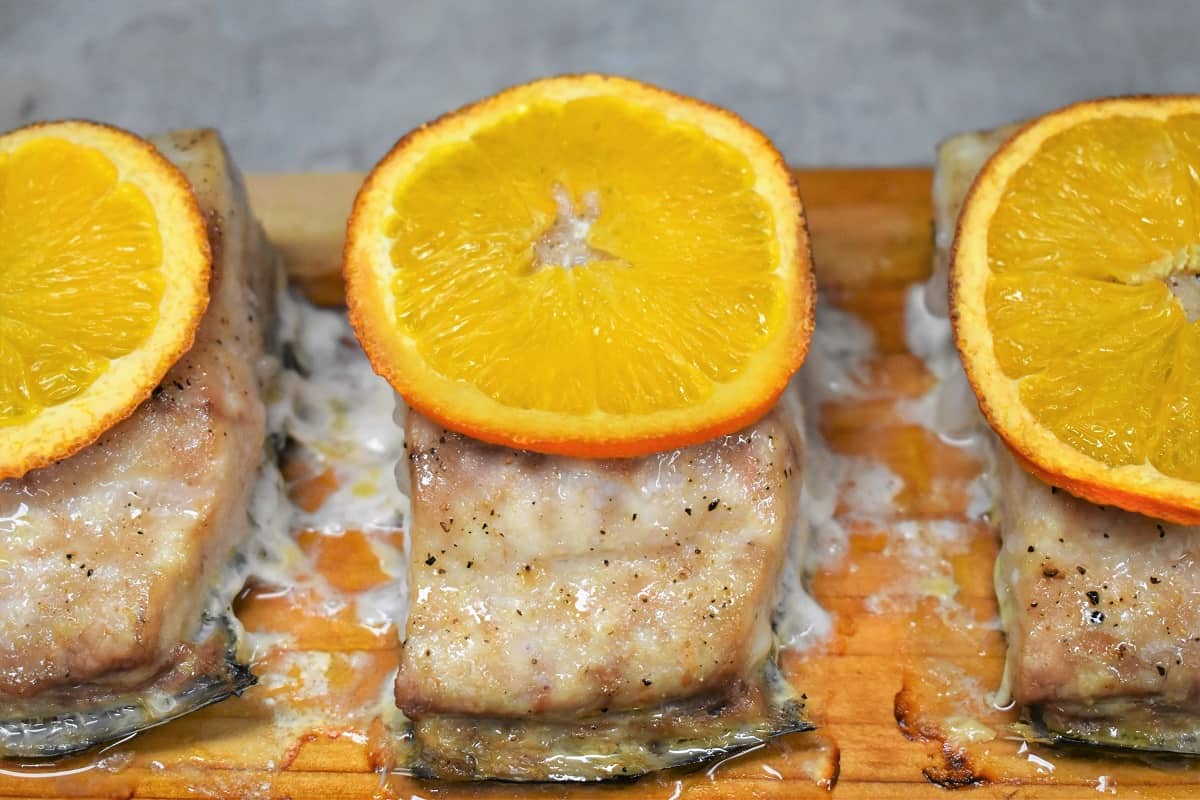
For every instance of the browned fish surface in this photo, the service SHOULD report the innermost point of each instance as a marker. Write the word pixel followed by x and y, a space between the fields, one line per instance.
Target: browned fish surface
pixel 554 593
pixel 108 558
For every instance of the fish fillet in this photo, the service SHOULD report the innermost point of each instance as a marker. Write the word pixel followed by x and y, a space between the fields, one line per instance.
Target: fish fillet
pixel 110 558
pixel 578 620
pixel 1101 607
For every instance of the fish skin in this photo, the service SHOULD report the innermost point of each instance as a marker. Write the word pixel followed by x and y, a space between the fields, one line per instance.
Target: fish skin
pixel 612 746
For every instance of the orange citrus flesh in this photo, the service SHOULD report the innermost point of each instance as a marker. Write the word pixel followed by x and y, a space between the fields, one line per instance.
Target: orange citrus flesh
pixel 583 265
pixel 1075 286
pixel 104 268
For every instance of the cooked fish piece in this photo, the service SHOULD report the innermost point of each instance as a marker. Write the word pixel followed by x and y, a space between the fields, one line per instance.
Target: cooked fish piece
pixel 959 160
pixel 579 620
pixel 1103 622
pixel 111 561
pixel 1101 607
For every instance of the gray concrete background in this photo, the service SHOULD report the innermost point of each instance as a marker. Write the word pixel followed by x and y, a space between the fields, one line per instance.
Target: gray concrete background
pixel 312 85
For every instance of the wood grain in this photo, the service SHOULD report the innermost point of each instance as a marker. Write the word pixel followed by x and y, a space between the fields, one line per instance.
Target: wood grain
pixel 898 667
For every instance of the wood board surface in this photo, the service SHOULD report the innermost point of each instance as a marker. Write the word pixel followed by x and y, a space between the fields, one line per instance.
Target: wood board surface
pixel 899 690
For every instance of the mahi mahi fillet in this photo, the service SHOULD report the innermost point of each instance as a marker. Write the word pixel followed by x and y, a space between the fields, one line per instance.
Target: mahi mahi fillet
pixel 579 620
pixel 108 559
pixel 1101 606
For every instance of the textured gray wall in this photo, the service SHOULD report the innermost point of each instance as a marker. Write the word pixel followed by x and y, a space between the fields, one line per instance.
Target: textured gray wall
pixel 329 85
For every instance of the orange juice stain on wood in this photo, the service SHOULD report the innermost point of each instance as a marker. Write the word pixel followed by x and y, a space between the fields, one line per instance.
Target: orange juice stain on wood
pixel 308 488
pixel 309 621
pixel 346 560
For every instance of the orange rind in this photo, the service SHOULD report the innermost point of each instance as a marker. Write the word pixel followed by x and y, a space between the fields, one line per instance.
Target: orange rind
pixel 1075 297
pixel 583 265
pixel 105 264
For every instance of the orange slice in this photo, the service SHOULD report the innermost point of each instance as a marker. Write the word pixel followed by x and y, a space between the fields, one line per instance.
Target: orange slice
pixel 1075 294
pixel 104 266
pixel 583 265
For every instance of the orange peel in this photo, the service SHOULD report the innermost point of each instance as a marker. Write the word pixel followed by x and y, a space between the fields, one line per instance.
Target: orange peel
pixel 105 262
pixel 1073 303
pixel 584 265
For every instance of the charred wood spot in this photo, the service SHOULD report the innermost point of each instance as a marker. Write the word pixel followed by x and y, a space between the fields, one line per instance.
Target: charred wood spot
pixel 956 772
pixel 908 718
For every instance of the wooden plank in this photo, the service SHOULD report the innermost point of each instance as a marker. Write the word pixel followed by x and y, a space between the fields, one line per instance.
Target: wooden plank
pixel 305 218
pixel 882 689
pixel 868 226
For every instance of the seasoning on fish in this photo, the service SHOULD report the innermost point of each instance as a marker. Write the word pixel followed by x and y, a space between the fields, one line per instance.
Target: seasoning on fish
pixel 579 620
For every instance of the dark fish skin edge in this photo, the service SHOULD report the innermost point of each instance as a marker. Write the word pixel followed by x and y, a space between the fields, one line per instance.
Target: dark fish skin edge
pixel 422 772
pixel 78 730
pixel 645 753
pixel 1172 745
